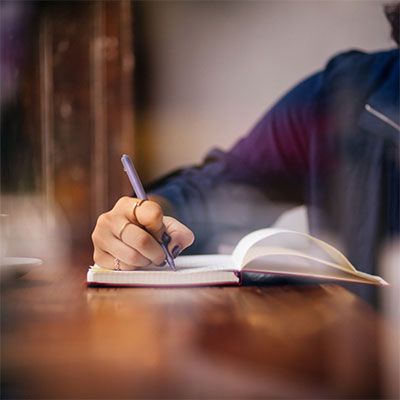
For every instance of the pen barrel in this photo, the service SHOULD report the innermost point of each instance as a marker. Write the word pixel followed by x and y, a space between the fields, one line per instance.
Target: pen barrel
pixel 133 177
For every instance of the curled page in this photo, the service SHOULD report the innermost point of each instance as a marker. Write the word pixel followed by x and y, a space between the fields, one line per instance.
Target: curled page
pixel 260 243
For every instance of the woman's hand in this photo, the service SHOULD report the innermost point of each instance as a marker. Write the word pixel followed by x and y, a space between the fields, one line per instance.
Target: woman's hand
pixel 130 235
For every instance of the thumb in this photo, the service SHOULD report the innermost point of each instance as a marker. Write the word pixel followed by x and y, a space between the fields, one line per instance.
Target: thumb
pixel 181 236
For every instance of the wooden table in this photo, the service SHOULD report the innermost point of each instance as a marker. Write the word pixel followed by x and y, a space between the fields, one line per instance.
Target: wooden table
pixel 61 339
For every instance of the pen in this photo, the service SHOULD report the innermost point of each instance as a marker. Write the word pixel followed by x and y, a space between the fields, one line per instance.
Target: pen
pixel 141 194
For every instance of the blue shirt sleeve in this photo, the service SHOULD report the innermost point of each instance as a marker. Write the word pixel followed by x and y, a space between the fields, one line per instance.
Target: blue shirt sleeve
pixel 285 159
pixel 271 163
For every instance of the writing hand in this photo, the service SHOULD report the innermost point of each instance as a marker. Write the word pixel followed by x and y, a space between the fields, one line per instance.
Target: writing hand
pixel 136 245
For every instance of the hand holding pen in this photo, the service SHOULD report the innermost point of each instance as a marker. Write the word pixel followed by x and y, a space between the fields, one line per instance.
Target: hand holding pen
pixel 135 233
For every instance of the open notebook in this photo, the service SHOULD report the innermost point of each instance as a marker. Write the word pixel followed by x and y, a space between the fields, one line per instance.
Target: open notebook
pixel 269 251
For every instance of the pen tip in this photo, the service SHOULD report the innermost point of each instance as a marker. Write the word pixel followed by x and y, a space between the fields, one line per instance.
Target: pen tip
pixel 171 263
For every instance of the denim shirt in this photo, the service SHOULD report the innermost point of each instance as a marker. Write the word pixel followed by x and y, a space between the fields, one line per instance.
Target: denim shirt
pixel 331 143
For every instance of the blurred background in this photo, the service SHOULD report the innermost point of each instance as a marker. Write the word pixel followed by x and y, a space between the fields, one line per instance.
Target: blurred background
pixel 81 83
pixel 84 82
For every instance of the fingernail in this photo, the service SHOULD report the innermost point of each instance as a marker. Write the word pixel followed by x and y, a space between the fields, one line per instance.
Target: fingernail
pixel 162 264
pixel 165 238
pixel 176 251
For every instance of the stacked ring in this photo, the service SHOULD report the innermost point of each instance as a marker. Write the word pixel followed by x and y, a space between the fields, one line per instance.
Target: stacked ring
pixel 135 206
pixel 122 229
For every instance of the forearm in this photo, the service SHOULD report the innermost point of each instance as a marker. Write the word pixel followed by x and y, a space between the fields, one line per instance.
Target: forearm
pixel 217 198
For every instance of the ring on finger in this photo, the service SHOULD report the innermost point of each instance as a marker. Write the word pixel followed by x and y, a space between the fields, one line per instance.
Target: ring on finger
pixel 135 206
pixel 117 264
pixel 121 231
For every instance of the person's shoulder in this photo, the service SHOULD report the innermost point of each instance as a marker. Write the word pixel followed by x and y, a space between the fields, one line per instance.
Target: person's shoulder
pixel 356 55
pixel 356 61
pixel 359 69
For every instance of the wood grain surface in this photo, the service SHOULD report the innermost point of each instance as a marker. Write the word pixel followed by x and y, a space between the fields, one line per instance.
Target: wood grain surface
pixel 61 339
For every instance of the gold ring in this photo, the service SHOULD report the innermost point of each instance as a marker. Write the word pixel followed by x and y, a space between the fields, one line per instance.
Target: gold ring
pixel 135 206
pixel 122 229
